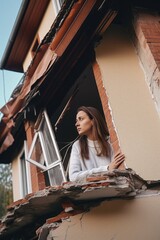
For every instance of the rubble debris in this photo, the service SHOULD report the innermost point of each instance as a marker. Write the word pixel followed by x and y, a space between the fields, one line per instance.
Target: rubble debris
pixel 48 207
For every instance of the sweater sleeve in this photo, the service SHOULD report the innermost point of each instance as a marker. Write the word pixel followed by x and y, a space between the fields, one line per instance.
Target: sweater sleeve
pixel 75 171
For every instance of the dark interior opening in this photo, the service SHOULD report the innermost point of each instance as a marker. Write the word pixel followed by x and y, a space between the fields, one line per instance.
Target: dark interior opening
pixel 87 95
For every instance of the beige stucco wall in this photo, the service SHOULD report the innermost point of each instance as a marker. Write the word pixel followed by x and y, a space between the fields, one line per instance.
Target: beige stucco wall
pixel 44 27
pixel 16 179
pixel 136 219
pixel 133 109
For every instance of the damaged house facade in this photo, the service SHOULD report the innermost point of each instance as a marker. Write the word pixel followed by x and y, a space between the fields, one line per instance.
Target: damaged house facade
pixel 101 53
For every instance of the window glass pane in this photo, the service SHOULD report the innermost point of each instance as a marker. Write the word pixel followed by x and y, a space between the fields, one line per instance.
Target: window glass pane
pixel 37 153
pixel 49 144
pixel 55 175
pixel 24 176
pixel 45 152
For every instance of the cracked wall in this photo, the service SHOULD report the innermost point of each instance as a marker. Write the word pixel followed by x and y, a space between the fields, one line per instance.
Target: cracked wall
pixel 113 220
pixel 133 109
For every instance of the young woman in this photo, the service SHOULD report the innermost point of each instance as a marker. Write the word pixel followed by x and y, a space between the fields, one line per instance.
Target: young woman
pixel 92 153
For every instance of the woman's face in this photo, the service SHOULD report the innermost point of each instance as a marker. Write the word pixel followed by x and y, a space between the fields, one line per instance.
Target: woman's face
pixel 83 124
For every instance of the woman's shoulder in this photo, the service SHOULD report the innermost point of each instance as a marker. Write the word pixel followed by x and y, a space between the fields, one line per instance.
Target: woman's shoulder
pixel 76 144
pixel 76 147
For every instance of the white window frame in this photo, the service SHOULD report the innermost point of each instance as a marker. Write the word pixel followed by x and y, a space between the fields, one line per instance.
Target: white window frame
pixel 25 178
pixel 39 135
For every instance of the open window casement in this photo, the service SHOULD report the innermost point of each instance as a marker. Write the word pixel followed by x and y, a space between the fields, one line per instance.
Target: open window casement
pixel 44 152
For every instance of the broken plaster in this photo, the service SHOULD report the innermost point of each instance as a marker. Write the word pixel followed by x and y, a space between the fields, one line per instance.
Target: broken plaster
pixel 57 204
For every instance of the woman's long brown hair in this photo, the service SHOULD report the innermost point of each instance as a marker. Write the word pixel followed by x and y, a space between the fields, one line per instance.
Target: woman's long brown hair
pixel 100 132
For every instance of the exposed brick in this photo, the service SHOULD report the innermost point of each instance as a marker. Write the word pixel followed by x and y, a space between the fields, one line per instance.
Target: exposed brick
pixel 63 215
pixel 115 146
pixel 106 109
pixel 113 135
pixel 41 180
pixel 18 202
pixel 147 30
pixel 96 178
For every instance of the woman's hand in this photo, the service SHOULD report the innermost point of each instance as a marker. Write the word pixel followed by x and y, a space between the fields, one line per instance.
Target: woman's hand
pixel 118 159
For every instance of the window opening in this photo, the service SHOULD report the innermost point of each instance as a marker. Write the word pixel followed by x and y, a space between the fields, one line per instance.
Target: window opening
pixel 83 92
pixel 44 152
pixel 25 176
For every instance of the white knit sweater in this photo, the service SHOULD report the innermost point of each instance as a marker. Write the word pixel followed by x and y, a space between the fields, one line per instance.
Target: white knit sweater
pixel 78 170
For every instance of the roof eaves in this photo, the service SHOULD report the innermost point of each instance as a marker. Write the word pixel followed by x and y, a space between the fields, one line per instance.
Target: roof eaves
pixel 50 52
pixel 13 34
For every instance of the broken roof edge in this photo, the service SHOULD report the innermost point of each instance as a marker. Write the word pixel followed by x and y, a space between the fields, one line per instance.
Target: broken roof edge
pixel 16 27
pixel 48 204
pixel 16 105
pixel 58 22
